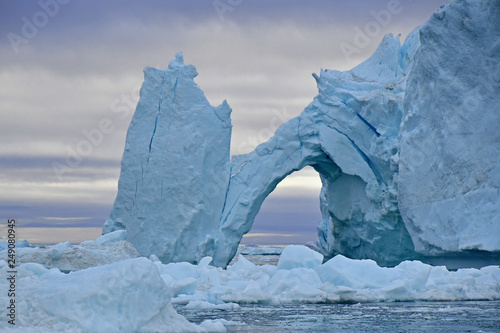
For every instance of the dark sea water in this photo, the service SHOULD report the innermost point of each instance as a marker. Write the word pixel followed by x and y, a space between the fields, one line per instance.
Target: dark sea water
pixel 368 317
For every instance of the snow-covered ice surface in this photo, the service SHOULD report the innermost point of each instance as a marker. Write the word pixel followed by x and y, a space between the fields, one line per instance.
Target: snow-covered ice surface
pixel 126 296
pixel 67 258
pixel 136 295
pixel 338 280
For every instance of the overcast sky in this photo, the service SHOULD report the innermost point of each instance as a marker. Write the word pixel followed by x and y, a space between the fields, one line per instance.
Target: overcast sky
pixel 65 65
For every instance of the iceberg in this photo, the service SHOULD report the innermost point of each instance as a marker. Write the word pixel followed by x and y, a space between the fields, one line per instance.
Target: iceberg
pixel 349 135
pixel 449 168
pixel 406 145
pixel 126 296
pixel 175 168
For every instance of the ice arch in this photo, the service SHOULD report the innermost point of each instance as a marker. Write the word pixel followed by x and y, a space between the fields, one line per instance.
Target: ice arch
pixel 333 137
pixel 349 135
pixel 254 176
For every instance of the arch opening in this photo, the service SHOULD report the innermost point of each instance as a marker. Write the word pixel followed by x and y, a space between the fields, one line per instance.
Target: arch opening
pixel 291 213
pixel 253 182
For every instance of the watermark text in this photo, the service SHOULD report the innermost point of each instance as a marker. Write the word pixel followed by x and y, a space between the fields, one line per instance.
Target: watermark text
pixel 11 273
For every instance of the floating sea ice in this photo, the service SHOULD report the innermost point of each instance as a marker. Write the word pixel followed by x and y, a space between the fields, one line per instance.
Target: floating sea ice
pixel 218 325
pixel 105 250
pixel 5 245
pixel 338 280
pixel 57 251
pixel 242 264
pixel 133 295
pixel 35 268
pixel 253 250
pixel 356 274
pixel 127 296
pixel 203 305
pixel 296 256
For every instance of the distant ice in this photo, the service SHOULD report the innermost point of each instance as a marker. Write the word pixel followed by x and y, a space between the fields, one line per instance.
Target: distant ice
pixel 104 250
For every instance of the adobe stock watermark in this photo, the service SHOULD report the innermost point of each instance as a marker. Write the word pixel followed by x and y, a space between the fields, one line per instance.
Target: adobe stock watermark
pixel 12 272
pixel 223 6
pixel 372 29
pixel 279 117
pixel 31 26
pixel 121 108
